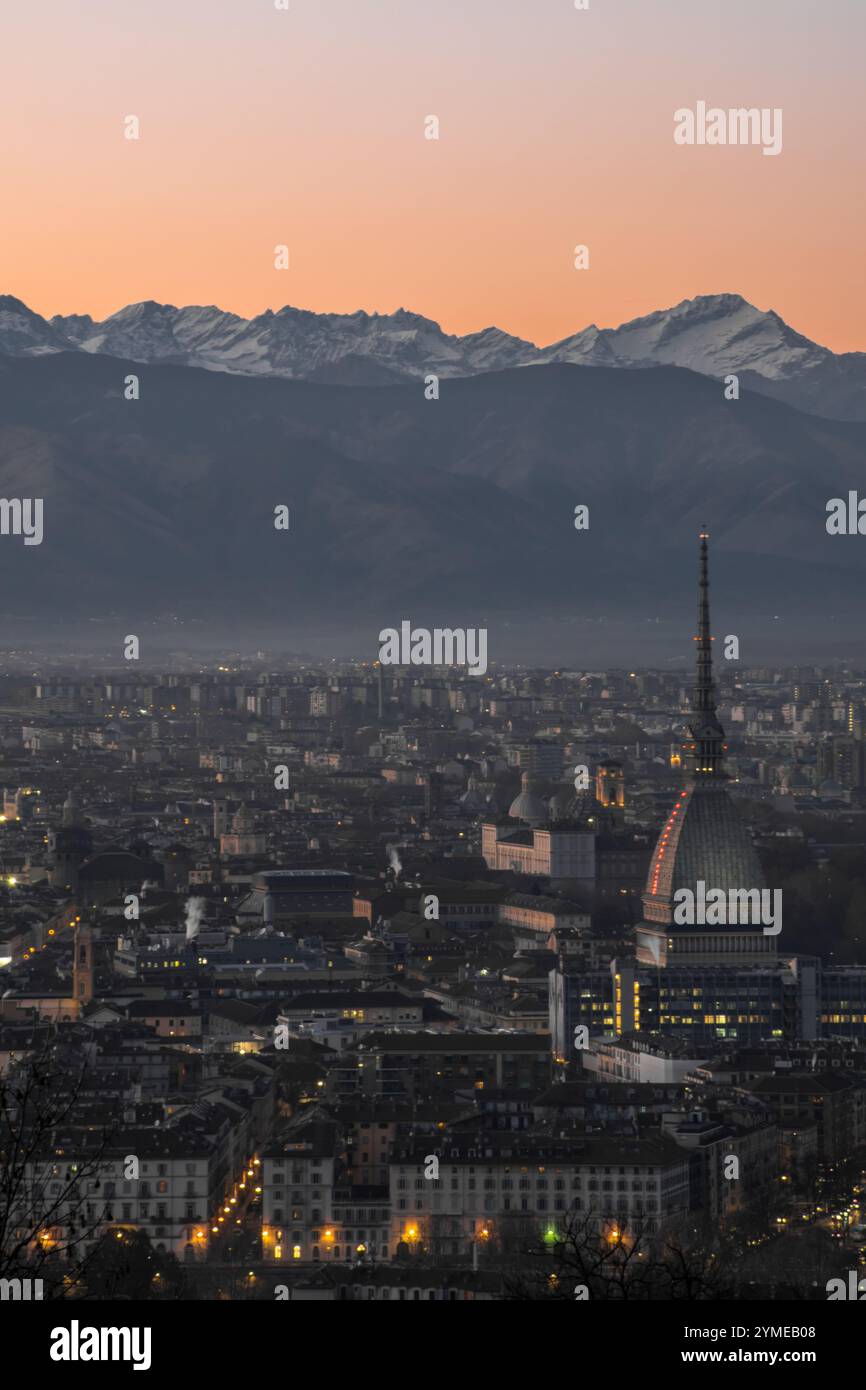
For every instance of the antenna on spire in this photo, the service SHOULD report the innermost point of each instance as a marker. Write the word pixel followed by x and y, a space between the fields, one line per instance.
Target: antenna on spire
pixel 707 732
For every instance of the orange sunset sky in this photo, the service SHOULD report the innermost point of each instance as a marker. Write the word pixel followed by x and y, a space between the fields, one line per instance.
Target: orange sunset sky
pixel 306 127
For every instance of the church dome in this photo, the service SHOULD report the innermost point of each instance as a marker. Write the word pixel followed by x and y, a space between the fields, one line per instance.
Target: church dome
pixel 559 804
pixel 71 813
pixel 703 839
pixel 473 801
pixel 528 806
pixel 831 788
pixel 569 805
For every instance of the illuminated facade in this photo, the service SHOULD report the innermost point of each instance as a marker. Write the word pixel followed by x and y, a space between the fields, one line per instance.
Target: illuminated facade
pixel 704 1002
pixel 563 853
pixel 610 785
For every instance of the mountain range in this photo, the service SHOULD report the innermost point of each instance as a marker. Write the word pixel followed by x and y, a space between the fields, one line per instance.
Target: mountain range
pixel 459 512
pixel 715 335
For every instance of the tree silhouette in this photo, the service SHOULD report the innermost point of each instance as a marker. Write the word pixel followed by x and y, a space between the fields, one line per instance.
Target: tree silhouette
pixel 46 1219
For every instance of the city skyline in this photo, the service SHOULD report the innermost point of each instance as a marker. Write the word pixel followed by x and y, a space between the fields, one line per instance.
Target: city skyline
pixel 358 916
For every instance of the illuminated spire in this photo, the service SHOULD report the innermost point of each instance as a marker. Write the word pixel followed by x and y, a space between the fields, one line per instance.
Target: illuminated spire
pixel 703 839
pixel 707 750
pixel 703 700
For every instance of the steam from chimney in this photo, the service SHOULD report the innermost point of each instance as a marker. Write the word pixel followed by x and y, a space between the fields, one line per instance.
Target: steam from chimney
pixel 394 861
pixel 194 913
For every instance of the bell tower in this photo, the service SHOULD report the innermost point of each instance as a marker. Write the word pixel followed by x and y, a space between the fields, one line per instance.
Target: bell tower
pixel 82 966
pixel 610 785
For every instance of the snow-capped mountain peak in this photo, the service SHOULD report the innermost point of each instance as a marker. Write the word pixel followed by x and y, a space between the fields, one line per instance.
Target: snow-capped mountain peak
pixel 713 334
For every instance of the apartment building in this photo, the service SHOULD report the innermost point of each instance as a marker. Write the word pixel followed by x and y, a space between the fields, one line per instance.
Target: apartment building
pixel 500 1185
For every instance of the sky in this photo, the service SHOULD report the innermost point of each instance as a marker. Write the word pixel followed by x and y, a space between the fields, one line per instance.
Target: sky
pixel 305 127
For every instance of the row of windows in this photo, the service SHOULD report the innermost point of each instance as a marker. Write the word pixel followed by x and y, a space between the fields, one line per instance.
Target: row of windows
pixel 542 1204
pixel 359 1235
pixel 144 1212
pixel 140 1189
pixel 68 1170
pixel 125 1211
pixel 643 1170
pixel 541 1184
pixel 276 1173
pixel 337 1252
pixel 351 1215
